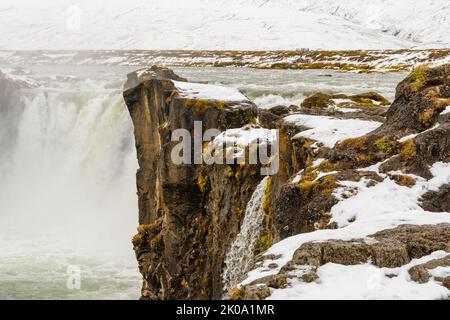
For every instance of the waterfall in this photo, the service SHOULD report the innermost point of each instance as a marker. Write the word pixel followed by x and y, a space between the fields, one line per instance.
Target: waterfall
pixel 68 193
pixel 239 259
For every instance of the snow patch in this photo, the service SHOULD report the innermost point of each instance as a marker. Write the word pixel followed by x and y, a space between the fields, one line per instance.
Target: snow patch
pixel 365 281
pixel 328 130
pixel 208 91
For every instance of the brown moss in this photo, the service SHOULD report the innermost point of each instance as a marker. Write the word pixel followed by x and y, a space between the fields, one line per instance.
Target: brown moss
pixel 426 116
pixel 146 232
pixel 157 241
pixel 237 293
pixel 324 221
pixel 359 144
pixel 404 180
pixel 367 98
pixel 316 101
pixel 203 105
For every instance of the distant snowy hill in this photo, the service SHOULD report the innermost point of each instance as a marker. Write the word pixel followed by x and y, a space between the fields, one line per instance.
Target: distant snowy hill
pixel 231 24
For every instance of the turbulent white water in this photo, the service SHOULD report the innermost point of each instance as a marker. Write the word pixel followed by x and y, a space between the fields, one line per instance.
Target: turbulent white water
pixel 67 170
pixel 239 258
pixel 67 196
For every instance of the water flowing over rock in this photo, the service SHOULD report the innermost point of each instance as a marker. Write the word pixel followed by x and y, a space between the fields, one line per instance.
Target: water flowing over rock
pixel 240 257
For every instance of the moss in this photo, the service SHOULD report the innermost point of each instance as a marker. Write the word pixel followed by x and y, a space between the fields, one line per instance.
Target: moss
pixel 157 241
pixel 150 228
pixel 146 232
pixel 317 100
pixel 418 78
pixel 202 182
pixel 265 241
pixel 238 174
pixel 399 68
pixel 326 166
pixel 409 150
pixel 230 172
pixel 309 174
pixel 237 293
pixel 203 105
pixel 359 144
pixel 404 180
pixel 426 116
pixel 367 98
pixel 385 144
pixel 324 186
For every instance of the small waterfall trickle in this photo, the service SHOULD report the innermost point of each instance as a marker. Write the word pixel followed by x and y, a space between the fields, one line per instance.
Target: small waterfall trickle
pixel 239 259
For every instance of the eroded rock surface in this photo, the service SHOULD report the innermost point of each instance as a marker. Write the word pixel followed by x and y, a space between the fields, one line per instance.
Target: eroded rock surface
pixel 188 214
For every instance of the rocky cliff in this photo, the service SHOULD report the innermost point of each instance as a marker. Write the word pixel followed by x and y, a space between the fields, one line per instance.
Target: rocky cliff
pixel 351 168
pixel 188 214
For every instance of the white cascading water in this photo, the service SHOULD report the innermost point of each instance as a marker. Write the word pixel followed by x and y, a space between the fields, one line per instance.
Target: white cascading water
pixel 68 195
pixel 239 258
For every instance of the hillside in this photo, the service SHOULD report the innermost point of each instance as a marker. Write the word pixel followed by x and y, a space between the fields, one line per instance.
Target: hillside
pixel 231 25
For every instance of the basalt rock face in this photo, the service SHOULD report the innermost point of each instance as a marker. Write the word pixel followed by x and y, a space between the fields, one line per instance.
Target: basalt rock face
pixel 188 213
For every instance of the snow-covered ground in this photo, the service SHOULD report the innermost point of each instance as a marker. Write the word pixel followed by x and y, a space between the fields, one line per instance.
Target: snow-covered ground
pixel 230 25
pixel 192 90
pixel 328 130
pixel 383 206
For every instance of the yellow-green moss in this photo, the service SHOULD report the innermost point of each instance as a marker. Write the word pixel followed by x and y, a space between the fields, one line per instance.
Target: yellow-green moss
pixel 385 144
pixel 326 166
pixel 418 78
pixel 324 186
pixel 203 105
pixel 409 150
pixel 265 241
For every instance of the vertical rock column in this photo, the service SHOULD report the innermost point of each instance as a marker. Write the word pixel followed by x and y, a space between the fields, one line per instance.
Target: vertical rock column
pixel 181 242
